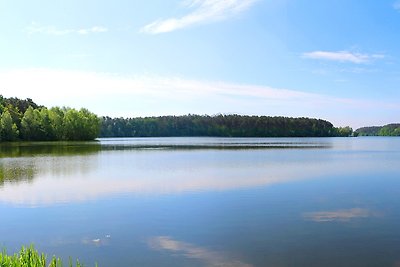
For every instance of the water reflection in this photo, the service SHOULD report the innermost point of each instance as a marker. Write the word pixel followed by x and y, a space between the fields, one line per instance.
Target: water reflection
pixel 43 174
pixel 13 172
pixel 22 162
pixel 70 179
pixel 344 215
pixel 33 174
pixel 213 143
pixel 98 241
pixel 183 249
pixel 33 149
pixel 320 206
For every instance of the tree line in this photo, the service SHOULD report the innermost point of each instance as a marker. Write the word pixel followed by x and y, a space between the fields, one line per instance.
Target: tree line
pixel 392 129
pixel 24 120
pixel 219 126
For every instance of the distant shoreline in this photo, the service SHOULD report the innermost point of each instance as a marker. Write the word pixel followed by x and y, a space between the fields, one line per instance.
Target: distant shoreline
pixel 24 120
pixel 392 129
pixel 220 126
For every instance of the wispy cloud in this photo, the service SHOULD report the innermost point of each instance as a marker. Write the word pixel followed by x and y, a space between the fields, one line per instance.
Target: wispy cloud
pixel 353 70
pixel 148 95
pixel 210 257
pixel 175 89
pixel 203 11
pixel 36 28
pixel 343 56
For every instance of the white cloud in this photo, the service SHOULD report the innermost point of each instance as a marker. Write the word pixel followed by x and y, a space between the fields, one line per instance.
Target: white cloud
pixel 147 95
pixel 58 85
pixel 343 56
pixel 36 28
pixel 205 11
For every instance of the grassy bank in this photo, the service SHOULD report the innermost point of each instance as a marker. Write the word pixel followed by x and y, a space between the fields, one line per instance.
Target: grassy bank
pixel 30 257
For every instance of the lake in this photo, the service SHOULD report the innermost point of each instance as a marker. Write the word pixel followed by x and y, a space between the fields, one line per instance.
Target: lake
pixel 205 201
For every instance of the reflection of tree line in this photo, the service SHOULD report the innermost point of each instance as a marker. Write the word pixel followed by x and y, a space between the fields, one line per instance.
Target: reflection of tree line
pixel 52 149
pixel 227 146
pixel 15 173
pixel 12 170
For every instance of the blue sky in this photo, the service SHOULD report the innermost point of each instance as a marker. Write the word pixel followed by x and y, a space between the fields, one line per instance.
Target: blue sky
pixel 335 60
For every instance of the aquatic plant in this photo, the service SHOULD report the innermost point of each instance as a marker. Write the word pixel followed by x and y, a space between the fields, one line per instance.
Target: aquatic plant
pixel 30 257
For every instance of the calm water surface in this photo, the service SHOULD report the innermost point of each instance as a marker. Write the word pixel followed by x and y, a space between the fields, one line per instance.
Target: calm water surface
pixel 205 201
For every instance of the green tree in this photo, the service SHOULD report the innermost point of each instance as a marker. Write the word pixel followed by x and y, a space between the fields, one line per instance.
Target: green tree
pixel 56 116
pixel 9 130
pixel 46 126
pixel 390 130
pixel 81 125
pixel 72 124
pixel 90 124
pixel 30 125
pixel 218 125
pixel 344 131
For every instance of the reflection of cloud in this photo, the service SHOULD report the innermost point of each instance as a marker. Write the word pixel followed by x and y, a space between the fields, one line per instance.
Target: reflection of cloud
pixel 47 190
pixel 171 178
pixel 344 215
pixel 98 241
pixel 143 172
pixel 38 180
pixel 211 258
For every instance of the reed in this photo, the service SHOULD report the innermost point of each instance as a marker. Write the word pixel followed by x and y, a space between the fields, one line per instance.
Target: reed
pixel 30 257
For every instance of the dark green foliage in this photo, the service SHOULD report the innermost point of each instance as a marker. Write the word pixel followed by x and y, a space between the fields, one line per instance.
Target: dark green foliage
pixel 37 123
pixel 344 131
pixel 390 130
pixel 20 104
pixel 30 125
pixel 8 129
pixel 368 131
pixel 220 125
pixel 24 120
pixel 80 125
pixel 387 130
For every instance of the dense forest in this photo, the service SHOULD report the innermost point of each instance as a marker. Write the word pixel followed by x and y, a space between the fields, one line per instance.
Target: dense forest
pixel 387 130
pixel 220 125
pixel 26 121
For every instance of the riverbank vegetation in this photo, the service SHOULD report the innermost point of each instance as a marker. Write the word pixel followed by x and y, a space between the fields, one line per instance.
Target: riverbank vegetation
pixel 221 126
pixel 387 130
pixel 24 120
pixel 30 257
